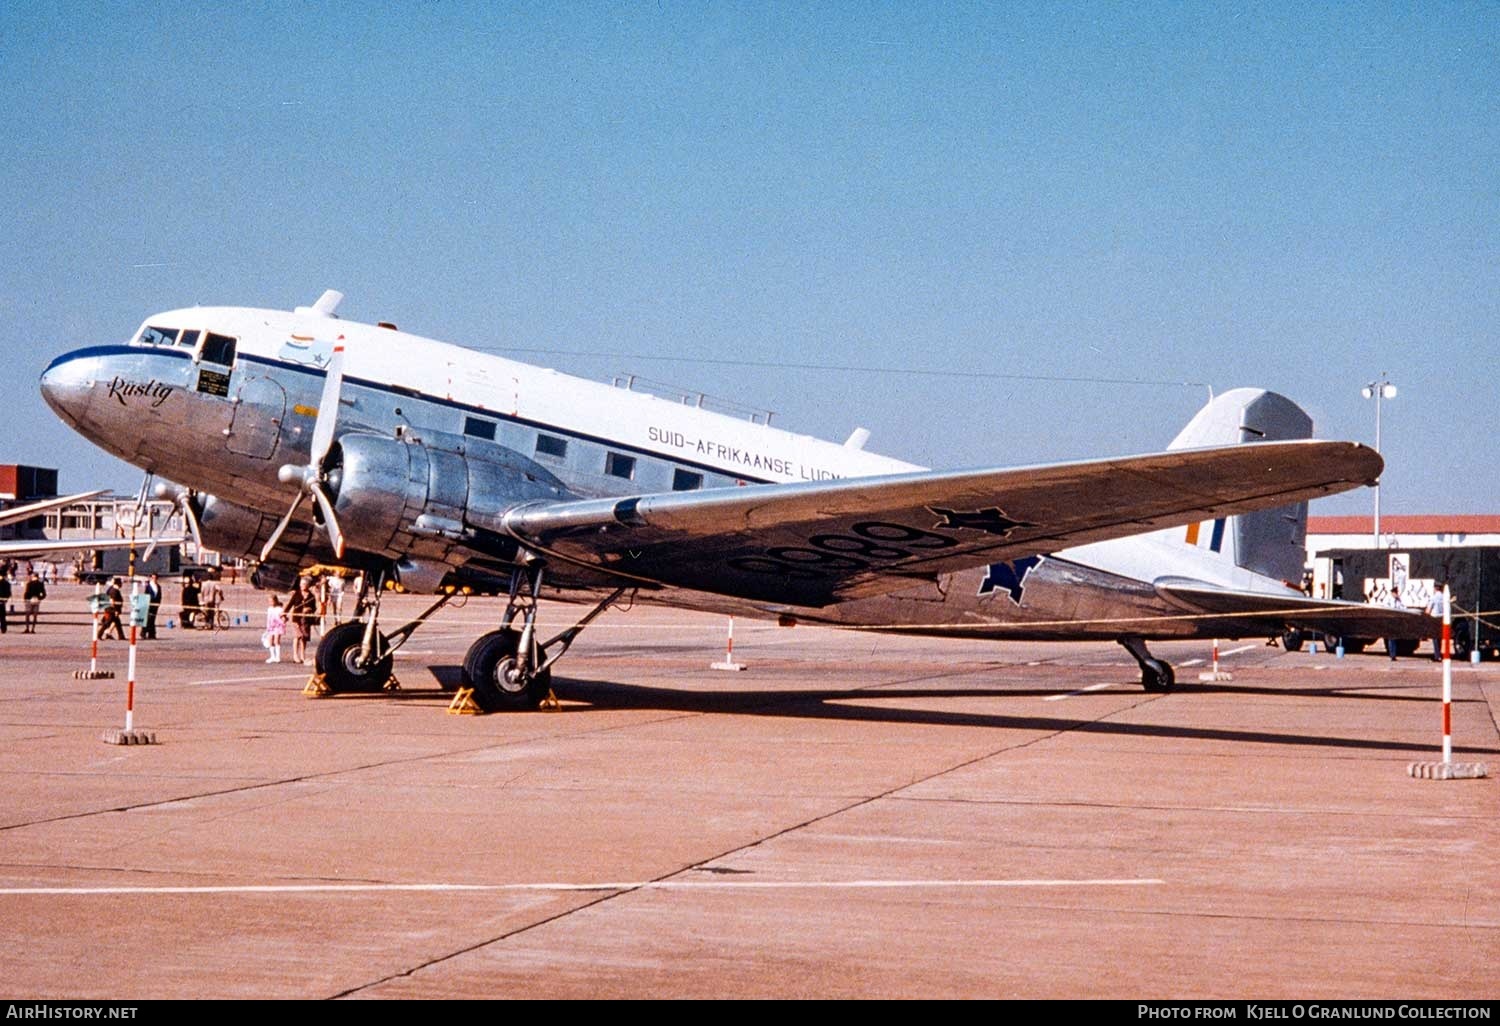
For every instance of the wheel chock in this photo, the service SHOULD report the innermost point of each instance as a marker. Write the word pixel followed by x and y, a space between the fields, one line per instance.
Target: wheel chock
pixel 392 685
pixel 1447 770
pixel 128 737
pixel 93 674
pixel 463 703
pixel 550 703
pixel 317 687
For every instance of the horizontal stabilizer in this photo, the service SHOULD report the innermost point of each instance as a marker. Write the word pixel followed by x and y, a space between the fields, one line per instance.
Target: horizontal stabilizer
pixel 1265 613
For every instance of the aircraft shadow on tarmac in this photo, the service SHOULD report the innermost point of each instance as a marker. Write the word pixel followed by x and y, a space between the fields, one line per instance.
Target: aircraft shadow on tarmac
pixel 871 705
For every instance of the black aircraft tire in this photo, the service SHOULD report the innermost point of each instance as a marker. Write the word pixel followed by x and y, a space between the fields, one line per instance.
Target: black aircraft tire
pixel 336 660
pixel 1292 640
pixel 484 671
pixel 1157 676
pixel 467 676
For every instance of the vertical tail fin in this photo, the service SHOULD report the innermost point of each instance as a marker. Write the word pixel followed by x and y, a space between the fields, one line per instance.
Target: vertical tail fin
pixel 1269 542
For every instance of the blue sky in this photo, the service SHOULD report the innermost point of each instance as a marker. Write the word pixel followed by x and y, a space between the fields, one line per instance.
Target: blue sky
pixel 1076 216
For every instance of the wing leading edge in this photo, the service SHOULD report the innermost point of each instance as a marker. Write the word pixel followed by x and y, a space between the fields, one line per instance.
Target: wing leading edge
pixel 813 544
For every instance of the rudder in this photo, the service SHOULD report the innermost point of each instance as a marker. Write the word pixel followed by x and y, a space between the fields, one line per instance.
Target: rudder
pixel 1270 542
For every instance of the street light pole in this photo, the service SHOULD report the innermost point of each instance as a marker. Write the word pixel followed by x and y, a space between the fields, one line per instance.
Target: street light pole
pixel 1378 390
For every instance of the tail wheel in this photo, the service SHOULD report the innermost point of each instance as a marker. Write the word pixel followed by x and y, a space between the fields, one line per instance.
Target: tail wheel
pixel 337 659
pixel 492 670
pixel 1157 675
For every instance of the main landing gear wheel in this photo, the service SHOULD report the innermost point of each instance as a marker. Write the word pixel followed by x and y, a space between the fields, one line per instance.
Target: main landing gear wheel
pixel 492 670
pixel 337 659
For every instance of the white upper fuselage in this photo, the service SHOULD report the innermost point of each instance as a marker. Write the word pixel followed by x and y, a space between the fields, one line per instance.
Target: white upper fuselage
pixel 479 381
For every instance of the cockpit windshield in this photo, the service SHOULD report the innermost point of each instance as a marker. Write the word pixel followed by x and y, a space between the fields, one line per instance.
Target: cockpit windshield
pixel 153 335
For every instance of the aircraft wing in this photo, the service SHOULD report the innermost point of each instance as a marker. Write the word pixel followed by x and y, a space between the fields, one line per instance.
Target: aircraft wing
pixel 15 514
pixel 1258 612
pixel 22 548
pixel 816 543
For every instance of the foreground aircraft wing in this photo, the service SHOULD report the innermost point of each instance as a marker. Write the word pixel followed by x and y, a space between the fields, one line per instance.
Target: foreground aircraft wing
pixel 1260 613
pixel 813 544
pixel 22 548
pixel 15 514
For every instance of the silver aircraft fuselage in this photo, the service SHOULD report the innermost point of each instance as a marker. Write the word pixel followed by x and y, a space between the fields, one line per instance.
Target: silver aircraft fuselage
pixel 220 399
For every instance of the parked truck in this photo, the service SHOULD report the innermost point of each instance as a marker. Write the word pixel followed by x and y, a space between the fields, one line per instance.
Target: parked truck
pixel 1410 577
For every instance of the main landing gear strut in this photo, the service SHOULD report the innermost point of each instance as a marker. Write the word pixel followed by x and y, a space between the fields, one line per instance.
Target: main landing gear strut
pixel 355 656
pixel 1156 674
pixel 509 668
pixel 506 668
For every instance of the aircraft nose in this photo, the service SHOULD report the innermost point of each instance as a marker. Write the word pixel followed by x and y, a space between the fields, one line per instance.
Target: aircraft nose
pixel 67 384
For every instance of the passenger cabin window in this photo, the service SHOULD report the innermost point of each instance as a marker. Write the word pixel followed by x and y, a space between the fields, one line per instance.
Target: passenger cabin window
pixel 551 445
pixel 153 336
pixel 616 465
pixel 686 480
pixel 476 428
pixel 218 349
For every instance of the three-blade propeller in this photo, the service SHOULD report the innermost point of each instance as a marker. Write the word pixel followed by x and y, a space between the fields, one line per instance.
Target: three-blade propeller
pixel 312 479
pixel 183 499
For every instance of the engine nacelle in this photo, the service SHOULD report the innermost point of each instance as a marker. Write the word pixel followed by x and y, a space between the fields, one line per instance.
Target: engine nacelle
pixel 236 530
pixel 275 576
pixel 421 497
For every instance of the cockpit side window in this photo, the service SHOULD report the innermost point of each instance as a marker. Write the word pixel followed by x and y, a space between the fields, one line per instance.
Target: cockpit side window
pixel 218 349
pixel 154 336
pixel 188 340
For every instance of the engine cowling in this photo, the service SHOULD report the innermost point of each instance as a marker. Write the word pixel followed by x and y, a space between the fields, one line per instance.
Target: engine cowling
pixel 236 530
pixel 421 498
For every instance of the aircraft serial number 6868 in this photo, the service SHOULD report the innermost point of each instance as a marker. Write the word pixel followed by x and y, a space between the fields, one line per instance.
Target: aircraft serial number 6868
pixel 439 467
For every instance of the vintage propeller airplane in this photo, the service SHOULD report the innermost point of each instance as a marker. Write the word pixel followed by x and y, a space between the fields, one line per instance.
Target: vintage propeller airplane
pixel 438 467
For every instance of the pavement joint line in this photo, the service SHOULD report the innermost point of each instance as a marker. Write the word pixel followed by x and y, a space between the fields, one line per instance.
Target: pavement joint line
pixel 701 863
pixel 716 883
pixel 1227 810
pixel 260 785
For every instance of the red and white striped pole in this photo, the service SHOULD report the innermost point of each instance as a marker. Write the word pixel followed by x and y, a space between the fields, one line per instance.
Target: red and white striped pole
pixel 728 663
pixel 131 736
pixel 1447 769
pixel 1447 675
pixel 135 587
pixel 1215 673
pixel 94 645
pixel 93 672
